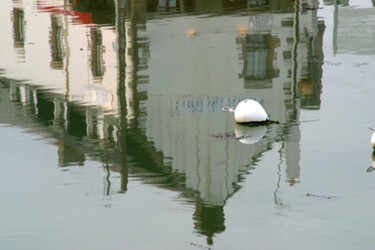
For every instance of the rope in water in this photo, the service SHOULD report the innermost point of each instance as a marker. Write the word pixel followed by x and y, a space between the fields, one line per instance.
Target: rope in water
pixel 229 110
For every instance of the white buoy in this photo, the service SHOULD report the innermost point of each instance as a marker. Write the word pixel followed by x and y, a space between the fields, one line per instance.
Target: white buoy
pixel 250 111
pixel 372 137
pixel 249 134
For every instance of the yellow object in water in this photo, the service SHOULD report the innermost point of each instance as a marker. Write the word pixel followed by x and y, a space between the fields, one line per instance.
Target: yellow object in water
pixel 191 33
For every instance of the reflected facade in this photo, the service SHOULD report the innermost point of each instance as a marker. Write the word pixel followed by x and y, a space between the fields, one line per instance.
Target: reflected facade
pixel 144 98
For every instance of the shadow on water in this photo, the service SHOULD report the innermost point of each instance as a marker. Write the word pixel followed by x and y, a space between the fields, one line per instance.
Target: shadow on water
pixel 279 50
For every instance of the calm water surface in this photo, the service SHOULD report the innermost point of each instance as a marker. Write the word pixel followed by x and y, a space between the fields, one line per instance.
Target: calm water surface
pixel 113 134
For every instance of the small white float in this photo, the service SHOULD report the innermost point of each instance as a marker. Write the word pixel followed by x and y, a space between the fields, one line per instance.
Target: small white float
pixel 372 137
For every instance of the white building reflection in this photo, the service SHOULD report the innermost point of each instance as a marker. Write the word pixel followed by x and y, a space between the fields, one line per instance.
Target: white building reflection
pixel 147 106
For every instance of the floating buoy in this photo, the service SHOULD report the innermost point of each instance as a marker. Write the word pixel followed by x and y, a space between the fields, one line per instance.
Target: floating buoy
pixel 249 134
pixel 250 111
pixel 372 137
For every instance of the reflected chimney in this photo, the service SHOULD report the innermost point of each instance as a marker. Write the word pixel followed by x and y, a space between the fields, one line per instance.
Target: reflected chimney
pixel 209 220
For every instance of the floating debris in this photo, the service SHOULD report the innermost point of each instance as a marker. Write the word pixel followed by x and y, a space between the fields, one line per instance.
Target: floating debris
pixel 311 8
pixel 246 134
pixel 315 61
pixel 200 246
pixel 321 196
pixel 332 63
pixel 230 135
pixel 191 33
pixel 370 169
pixel 249 134
pixel 361 64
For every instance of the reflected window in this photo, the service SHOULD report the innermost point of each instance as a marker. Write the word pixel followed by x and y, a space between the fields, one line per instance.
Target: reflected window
pixel 253 3
pixel 257 55
pixel 56 42
pixel 309 83
pixel 234 4
pixel 97 52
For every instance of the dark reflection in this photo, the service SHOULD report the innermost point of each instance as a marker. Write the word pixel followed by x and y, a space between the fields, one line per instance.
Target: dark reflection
pixel 209 220
pixel 56 42
pixel 96 40
pixel 18 18
pixel 235 4
pixel 101 11
pixel 372 168
pixel 165 142
pixel 310 85
pixel 69 154
pixel 45 108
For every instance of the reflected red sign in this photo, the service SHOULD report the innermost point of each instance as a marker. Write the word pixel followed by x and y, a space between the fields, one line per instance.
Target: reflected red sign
pixel 78 17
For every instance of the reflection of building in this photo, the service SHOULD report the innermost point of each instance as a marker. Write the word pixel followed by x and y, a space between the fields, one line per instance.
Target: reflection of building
pixel 282 53
pixel 132 99
pixel 349 28
pixel 209 220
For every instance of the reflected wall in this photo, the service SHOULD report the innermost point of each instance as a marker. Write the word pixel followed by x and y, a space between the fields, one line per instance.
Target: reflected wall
pixel 144 96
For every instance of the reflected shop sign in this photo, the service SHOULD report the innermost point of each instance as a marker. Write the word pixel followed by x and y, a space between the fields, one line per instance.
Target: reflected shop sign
pixel 260 23
pixel 201 104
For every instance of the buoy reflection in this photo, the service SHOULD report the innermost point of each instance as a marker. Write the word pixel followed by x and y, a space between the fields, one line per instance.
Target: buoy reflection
pixel 372 168
pixel 249 134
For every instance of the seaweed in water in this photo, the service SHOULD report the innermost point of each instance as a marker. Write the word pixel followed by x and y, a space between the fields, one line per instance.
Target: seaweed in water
pixel 321 196
pixel 230 135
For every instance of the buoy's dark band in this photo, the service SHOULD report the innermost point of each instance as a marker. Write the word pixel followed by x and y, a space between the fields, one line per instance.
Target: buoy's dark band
pixel 270 121
pixel 259 123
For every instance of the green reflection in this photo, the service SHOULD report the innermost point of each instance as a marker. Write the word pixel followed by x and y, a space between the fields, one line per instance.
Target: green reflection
pixel 102 11
pixel 19 26
pixel 209 220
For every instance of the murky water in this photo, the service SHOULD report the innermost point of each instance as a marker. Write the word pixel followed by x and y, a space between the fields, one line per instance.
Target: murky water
pixel 113 134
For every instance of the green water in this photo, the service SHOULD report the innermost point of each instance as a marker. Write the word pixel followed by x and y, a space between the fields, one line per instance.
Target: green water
pixel 114 137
